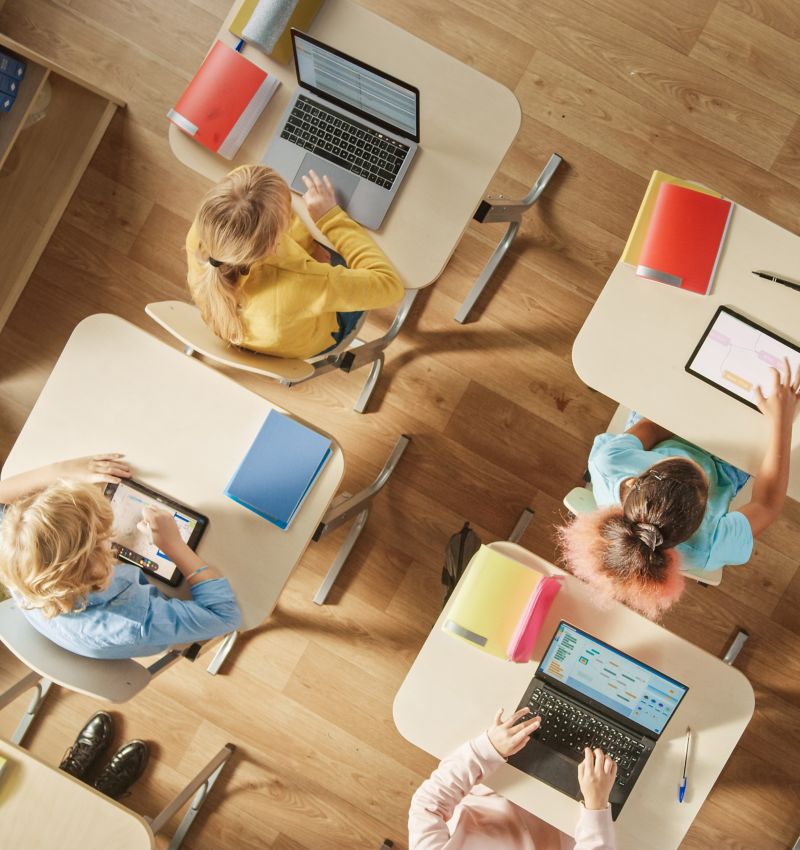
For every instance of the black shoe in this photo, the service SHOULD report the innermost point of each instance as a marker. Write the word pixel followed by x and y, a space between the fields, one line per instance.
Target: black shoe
pixel 125 767
pixel 91 742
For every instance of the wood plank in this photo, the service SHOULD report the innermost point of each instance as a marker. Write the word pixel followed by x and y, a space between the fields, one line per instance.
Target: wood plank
pixel 781 15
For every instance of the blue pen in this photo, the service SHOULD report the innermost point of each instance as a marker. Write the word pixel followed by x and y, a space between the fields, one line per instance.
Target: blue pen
pixel 239 46
pixel 682 786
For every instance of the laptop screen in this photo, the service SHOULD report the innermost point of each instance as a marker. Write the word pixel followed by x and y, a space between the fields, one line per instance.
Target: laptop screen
pixel 611 678
pixel 358 87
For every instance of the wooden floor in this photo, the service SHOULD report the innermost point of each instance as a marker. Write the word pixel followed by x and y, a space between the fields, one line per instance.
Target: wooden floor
pixel 708 89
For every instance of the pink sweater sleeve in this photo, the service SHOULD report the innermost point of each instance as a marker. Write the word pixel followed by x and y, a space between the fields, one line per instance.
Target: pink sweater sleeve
pixel 436 799
pixel 595 830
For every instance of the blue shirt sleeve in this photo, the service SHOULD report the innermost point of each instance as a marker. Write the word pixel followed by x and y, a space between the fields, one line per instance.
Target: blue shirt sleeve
pixel 212 611
pixel 731 542
pixel 613 458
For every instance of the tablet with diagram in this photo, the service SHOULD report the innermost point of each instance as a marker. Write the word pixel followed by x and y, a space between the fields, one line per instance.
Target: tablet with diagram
pixel 132 544
pixel 736 355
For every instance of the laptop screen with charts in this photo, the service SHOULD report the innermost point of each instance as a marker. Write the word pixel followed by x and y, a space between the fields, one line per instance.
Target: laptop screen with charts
pixel 351 121
pixel 604 676
pixel 589 694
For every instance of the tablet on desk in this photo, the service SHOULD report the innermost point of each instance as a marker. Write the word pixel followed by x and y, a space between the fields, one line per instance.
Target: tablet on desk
pixel 736 355
pixel 131 544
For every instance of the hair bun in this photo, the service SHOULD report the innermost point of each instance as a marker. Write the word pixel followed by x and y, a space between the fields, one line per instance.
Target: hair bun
pixel 649 534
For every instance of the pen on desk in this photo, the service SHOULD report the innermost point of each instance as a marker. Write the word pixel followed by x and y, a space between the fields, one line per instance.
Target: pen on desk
pixel 775 279
pixel 682 786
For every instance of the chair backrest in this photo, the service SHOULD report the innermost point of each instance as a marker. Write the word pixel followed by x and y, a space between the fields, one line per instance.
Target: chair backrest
pixel 115 681
pixel 184 321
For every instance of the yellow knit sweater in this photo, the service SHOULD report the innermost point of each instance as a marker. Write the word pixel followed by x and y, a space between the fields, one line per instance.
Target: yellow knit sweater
pixel 289 300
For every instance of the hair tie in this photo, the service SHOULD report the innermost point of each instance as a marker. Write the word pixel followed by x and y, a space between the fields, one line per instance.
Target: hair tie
pixel 215 263
pixel 649 534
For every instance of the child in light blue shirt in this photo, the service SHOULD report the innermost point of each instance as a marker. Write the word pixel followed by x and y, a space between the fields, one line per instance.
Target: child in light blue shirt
pixel 664 506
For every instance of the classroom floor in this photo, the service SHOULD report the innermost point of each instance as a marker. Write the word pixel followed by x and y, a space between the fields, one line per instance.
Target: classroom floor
pixel 707 89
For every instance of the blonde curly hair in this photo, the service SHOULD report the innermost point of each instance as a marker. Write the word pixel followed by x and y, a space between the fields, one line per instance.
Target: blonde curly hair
pixel 54 546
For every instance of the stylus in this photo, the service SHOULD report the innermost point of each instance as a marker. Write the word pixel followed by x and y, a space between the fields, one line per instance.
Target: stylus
pixel 775 279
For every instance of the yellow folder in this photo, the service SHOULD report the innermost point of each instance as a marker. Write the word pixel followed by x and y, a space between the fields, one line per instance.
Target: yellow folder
pixel 633 247
pixel 300 19
pixel 489 601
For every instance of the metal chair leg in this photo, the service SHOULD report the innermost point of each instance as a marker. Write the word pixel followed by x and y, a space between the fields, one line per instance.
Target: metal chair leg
pixel 494 209
pixel 355 506
pixel 735 647
pixel 522 525
pixel 41 686
pixel 199 787
pixel 222 652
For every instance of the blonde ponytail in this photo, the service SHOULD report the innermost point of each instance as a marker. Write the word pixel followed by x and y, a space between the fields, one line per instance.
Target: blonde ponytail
pixel 239 223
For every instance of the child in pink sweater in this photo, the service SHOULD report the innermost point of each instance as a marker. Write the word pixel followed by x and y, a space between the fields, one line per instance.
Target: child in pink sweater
pixel 452 811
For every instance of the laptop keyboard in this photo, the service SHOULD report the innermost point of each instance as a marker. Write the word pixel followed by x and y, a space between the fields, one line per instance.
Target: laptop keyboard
pixel 569 729
pixel 345 142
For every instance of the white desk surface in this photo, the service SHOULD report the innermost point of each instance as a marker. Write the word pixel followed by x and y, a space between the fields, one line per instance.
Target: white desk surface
pixel 184 428
pixel 42 808
pixel 467 123
pixel 639 335
pixel 452 691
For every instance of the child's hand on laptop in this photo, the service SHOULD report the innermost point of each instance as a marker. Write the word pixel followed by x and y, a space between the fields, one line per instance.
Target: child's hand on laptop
pixel 510 736
pixel 319 196
pixel 596 775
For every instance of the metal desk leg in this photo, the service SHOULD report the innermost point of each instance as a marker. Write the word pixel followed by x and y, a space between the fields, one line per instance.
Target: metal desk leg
pixel 200 787
pixel 42 687
pixel 222 652
pixel 736 647
pixel 497 208
pixel 522 525
pixel 356 506
pixel 372 352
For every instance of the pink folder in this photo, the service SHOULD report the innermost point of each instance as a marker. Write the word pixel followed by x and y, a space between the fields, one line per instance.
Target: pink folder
pixel 522 641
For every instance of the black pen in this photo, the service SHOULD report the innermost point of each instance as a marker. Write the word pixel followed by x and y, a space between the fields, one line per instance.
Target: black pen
pixel 767 276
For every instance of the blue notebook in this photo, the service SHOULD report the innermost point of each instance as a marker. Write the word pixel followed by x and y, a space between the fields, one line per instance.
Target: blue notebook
pixel 279 468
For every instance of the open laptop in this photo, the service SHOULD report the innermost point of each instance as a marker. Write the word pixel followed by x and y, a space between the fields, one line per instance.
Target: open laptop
pixel 590 694
pixel 349 121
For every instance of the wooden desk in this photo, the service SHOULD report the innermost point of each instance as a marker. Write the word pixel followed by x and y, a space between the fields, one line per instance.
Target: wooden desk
pixel 184 429
pixel 639 335
pixel 467 123
pixel 452 691
pixel 42 808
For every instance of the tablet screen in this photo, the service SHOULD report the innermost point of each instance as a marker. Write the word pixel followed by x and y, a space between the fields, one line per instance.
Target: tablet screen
pixel 736 355
pixel 128 499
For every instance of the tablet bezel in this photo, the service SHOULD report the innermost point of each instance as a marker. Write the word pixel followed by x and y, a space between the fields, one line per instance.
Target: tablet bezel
pixel 723 309
pixel 201 521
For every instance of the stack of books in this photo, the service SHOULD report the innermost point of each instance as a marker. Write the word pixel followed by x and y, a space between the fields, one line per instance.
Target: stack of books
pixel 11 73
pixel 679 234
pixel 279 469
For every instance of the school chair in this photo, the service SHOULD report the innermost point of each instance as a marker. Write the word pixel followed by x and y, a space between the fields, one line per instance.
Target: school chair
pixel 184 322
pixel 110 681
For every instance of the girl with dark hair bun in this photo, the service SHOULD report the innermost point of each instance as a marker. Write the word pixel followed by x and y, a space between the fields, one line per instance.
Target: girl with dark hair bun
pixel 665 506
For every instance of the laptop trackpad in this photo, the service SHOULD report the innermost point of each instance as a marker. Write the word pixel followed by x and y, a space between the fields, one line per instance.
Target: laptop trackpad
pixel 551 767
pixel 344 182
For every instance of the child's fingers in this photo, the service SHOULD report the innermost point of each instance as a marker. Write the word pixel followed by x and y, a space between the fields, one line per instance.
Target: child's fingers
pixel 498 717
pixel 599 756
pixel 759 395
pixel 517 716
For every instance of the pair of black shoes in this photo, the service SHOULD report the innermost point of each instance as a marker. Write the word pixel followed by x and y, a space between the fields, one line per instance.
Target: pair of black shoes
pixel 125 767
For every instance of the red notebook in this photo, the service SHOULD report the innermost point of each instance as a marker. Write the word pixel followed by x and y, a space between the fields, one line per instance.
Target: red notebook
pixel 223 101
pixel 685 239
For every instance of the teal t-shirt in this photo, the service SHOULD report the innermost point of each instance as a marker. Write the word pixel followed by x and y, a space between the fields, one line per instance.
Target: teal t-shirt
pixel 724 536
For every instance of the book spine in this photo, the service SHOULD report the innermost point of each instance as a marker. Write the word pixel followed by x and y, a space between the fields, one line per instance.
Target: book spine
pixel 8 85
pixel 720 249
pixel 181 121
pixel 11 66
pixel 279 523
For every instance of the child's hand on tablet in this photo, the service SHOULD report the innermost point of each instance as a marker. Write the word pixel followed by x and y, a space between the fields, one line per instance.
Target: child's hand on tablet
pixel 780 406
pixel 163 530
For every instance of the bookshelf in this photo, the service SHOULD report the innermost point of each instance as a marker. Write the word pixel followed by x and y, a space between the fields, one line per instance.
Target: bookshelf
pixel 41 165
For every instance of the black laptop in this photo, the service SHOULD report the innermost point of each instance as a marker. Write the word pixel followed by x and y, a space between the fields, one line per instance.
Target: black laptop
pixel 590 694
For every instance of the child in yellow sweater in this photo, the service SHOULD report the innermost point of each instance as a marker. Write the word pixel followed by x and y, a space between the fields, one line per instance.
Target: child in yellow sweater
pixel 263 283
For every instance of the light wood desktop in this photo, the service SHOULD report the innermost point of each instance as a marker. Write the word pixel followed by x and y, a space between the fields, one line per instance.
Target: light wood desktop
pixel 639 335
pixel 467 123
pixel 452 691
pixel 184 428
pixel 77 817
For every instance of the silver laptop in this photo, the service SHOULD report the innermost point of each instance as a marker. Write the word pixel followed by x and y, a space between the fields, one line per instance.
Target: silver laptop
pixel 349 121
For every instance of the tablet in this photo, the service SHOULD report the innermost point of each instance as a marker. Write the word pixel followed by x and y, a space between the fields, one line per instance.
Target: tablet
pixel 130 544
pixel 735 355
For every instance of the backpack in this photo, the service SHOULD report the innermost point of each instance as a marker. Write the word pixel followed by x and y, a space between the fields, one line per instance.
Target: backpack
pixel 457 554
